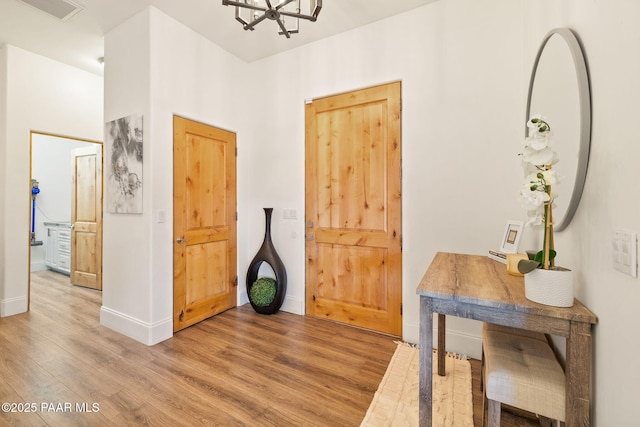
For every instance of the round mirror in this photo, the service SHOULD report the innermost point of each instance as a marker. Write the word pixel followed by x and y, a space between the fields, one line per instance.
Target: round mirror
pixel 559 91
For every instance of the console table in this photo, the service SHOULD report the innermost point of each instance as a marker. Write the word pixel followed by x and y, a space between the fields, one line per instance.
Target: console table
pixel 479 288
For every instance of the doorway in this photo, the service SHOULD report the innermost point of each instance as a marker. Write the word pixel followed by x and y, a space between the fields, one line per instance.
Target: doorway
pixel 204 222
pixel 353 208
pixel 66 208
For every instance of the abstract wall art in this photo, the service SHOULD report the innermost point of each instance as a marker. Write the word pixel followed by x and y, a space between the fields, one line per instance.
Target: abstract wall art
pixel 123 165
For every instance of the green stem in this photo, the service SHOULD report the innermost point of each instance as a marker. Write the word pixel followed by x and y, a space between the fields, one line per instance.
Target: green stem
pixel 547 245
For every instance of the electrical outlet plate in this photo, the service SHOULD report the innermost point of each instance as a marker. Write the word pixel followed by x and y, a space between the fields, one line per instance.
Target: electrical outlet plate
pixel 625 252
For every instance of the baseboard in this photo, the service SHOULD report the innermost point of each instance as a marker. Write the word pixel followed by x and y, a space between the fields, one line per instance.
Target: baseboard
pixel 38 266
pixel 293 305
pixel 410 332
pixel 146 333
pixel 457 341
pixel 463 343
pixel 11 306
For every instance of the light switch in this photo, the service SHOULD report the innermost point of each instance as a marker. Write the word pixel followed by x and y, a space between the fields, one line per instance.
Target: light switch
pixel 289 214
pixel 625 252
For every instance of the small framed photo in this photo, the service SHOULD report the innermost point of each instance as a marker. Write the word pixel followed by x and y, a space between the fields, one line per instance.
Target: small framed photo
pixel 512 236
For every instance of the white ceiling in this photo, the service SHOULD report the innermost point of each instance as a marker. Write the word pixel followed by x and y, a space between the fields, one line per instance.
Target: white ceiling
pixel 79 41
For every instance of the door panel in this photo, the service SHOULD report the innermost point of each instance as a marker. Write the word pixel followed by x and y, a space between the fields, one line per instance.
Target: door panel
pixel 86 217
pixel 205 281
pixel 353 208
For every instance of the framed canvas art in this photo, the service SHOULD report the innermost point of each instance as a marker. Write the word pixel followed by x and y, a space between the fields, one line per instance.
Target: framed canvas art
pixel 123 165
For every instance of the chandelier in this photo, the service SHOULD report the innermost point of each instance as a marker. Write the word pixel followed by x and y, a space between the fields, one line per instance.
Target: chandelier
pixel 259 10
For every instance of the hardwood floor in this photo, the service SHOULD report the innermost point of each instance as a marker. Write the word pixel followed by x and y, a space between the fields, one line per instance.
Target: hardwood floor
pixel 238 368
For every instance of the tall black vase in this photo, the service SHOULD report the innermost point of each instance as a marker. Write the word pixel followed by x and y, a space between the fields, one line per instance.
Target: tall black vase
pixel 268 254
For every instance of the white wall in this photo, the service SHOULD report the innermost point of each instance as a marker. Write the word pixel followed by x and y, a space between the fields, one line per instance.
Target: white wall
pixel 464 67
pixel 47 96
pixel 157 67
pixel 127 251
pixel 4 51
pixel 610 36
pixel 462 117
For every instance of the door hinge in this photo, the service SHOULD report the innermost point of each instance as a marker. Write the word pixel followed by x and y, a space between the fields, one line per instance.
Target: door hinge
pixel 401 309
pixel 236 216
pixel 235 281
pixel 181 316
pixel 236 151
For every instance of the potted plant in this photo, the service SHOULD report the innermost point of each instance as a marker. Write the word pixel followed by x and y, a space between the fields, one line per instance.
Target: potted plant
pixel 544 282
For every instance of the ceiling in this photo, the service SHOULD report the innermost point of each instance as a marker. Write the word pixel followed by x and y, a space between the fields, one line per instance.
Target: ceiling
pixel 79 40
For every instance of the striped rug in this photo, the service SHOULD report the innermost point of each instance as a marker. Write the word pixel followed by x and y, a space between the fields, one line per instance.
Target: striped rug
pixel 396 401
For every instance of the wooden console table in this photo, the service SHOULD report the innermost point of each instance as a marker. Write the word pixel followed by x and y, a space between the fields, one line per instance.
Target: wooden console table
pixel 479 288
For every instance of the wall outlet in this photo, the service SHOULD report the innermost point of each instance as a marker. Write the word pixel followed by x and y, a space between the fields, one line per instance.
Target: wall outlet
pixel 625 252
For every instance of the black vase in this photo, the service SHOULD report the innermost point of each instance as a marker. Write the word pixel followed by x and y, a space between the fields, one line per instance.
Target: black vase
pixel 268 254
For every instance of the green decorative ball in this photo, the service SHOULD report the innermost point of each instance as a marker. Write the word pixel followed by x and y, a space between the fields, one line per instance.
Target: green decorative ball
pixel 263 291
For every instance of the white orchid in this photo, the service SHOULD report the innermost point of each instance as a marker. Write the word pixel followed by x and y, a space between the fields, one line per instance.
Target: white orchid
pixel 536 217
pixel 535 195
pixel 542 178
pixel 530 199
pixel 543 156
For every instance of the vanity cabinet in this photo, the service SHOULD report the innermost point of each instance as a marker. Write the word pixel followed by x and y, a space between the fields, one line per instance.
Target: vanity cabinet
pixel 58 247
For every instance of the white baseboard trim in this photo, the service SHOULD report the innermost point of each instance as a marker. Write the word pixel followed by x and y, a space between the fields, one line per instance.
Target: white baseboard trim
pixel 293 305
pixel 144 332
pixel 38 266
pixel 457 342
pixel 11 306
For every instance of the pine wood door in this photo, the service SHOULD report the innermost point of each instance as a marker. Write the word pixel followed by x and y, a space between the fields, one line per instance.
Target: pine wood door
pixel 204 222
pixel 86 217
pixel 353 208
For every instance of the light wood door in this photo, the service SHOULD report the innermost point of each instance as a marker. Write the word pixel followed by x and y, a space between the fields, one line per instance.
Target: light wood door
pixel 353 208
pixel 86 217
pixel 204 222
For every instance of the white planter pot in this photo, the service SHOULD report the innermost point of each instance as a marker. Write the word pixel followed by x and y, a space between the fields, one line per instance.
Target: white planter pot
pixel 550 287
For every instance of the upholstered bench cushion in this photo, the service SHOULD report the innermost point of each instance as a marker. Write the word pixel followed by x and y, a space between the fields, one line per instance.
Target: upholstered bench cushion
pixel 523 372
pixel 486 327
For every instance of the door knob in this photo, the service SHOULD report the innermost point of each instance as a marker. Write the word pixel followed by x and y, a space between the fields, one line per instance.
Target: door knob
pixel 181 240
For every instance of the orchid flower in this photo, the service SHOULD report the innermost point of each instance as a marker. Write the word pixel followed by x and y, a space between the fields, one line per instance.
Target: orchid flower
pixel 535 195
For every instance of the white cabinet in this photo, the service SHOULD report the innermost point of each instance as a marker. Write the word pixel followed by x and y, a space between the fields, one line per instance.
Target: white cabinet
pixel 58 247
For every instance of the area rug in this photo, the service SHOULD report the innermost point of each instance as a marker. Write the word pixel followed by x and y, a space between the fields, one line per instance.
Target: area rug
pixel 396 401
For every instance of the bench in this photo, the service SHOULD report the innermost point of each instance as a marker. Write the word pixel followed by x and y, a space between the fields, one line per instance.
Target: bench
pixel 521 370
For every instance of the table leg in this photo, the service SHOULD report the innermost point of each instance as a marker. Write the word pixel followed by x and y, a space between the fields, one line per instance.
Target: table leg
pixel 426 361
pixel 578 375
pixel 442 347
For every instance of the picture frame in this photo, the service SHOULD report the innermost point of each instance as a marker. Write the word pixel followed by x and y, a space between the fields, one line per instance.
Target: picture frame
pixel 512 235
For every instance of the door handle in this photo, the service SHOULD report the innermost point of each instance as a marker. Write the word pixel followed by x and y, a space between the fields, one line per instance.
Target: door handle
pixel 181 240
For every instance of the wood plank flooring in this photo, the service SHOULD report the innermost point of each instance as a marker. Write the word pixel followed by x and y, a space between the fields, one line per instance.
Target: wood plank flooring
pixel 237 369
